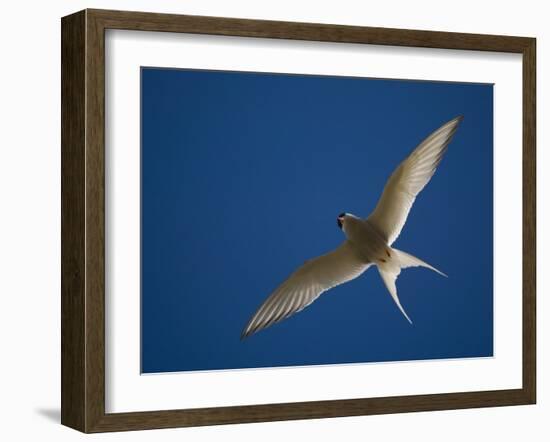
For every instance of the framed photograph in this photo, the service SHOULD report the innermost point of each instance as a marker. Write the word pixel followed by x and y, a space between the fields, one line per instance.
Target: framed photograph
pixel 269 220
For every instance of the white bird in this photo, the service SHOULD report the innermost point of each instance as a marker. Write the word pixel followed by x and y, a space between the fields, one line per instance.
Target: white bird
pixel 368 241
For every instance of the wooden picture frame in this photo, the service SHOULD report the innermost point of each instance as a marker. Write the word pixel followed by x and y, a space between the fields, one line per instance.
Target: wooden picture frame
pixel 83 220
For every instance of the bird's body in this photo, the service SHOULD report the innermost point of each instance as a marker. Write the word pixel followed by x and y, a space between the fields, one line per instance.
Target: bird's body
pixel 368 241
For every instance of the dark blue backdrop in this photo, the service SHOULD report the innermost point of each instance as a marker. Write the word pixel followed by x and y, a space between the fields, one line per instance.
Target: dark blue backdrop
pixel 243 176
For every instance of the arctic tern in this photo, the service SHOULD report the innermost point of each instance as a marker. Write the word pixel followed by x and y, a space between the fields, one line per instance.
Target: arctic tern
pixel 368 241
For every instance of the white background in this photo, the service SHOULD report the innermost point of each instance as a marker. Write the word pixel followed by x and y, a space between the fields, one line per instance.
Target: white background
pixel 30 233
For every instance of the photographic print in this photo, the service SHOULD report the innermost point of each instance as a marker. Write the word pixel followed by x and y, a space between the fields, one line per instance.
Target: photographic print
pixel 251 204
pixel 297 220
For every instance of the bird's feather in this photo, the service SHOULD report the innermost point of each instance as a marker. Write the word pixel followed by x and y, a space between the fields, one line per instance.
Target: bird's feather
pixel 389 275
pixel 306 284
pixel 406 260
pixel 408 180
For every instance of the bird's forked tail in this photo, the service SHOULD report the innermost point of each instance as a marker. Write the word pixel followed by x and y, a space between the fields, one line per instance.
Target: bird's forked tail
pixel 390 270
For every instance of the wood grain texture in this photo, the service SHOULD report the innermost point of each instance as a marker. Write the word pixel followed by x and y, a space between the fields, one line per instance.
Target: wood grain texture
pixel 529 221
pixel 145 21
pixel 73 126
pixel 83 220
pixel 308 410
pixel 95 222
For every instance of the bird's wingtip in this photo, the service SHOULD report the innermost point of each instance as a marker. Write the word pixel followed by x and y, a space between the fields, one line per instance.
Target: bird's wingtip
pixel 246 333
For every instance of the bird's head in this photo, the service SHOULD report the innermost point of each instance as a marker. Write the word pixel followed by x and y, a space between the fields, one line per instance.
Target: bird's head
pixel 340 220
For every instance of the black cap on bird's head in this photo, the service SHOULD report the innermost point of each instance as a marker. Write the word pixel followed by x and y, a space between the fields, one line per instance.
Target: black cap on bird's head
pixel 340 219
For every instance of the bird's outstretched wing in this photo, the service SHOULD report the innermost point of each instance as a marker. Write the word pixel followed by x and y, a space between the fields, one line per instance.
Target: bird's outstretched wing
pixel 408 180
pixel 306 284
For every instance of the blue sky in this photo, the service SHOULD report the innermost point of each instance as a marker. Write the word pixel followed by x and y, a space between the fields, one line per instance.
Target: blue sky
pixel 243 176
